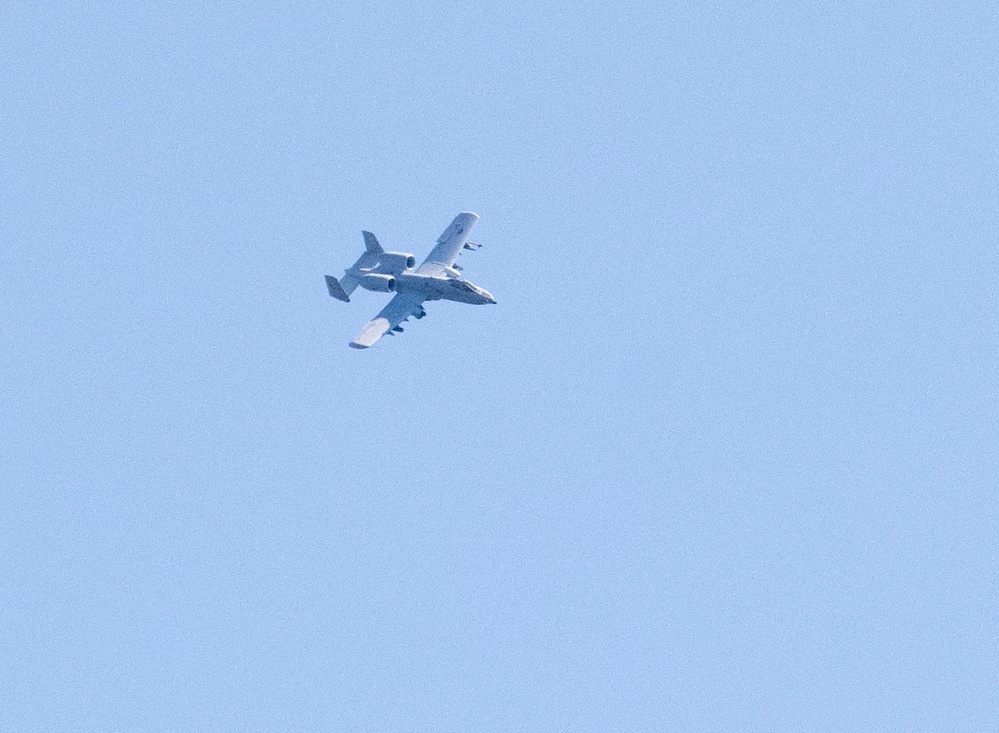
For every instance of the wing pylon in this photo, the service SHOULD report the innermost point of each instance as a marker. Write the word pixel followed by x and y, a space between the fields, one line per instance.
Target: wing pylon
pixel 401 307
pixel 449 244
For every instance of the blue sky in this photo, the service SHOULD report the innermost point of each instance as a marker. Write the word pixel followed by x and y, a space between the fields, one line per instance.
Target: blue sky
pixel 723 457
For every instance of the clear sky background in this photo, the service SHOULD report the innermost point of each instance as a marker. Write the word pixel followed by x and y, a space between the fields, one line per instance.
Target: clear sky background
pixel 723 457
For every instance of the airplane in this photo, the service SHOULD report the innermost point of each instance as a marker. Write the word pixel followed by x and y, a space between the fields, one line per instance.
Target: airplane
pixel 437 278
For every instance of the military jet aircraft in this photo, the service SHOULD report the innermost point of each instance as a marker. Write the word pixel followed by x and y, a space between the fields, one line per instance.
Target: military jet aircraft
pixel 438 278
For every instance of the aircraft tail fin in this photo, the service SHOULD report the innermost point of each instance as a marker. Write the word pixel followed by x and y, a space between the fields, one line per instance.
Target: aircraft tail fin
pixel 336 289
pixel 342 288
pixel 371 243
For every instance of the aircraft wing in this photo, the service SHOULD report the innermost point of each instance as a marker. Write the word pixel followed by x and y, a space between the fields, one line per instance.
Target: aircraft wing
pixel 398 309
pixel 449 243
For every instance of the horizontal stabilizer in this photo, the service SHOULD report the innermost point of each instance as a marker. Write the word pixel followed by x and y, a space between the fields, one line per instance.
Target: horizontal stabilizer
pixel 336 289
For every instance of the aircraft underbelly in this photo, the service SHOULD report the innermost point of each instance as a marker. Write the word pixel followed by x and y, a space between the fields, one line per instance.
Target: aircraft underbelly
pixel 431 288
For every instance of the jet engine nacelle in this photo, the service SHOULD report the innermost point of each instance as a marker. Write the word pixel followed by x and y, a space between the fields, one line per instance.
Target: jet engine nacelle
pixel 396 261
pixel 378 283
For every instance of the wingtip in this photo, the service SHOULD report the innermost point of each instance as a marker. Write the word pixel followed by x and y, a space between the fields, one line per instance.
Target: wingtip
pixel 355 345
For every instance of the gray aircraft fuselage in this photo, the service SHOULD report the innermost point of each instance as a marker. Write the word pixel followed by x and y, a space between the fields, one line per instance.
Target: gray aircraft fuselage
pixel 442 288
pixel 438 278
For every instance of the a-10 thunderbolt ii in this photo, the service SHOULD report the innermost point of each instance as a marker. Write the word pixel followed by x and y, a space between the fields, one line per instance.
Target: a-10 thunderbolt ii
pixel 438 278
